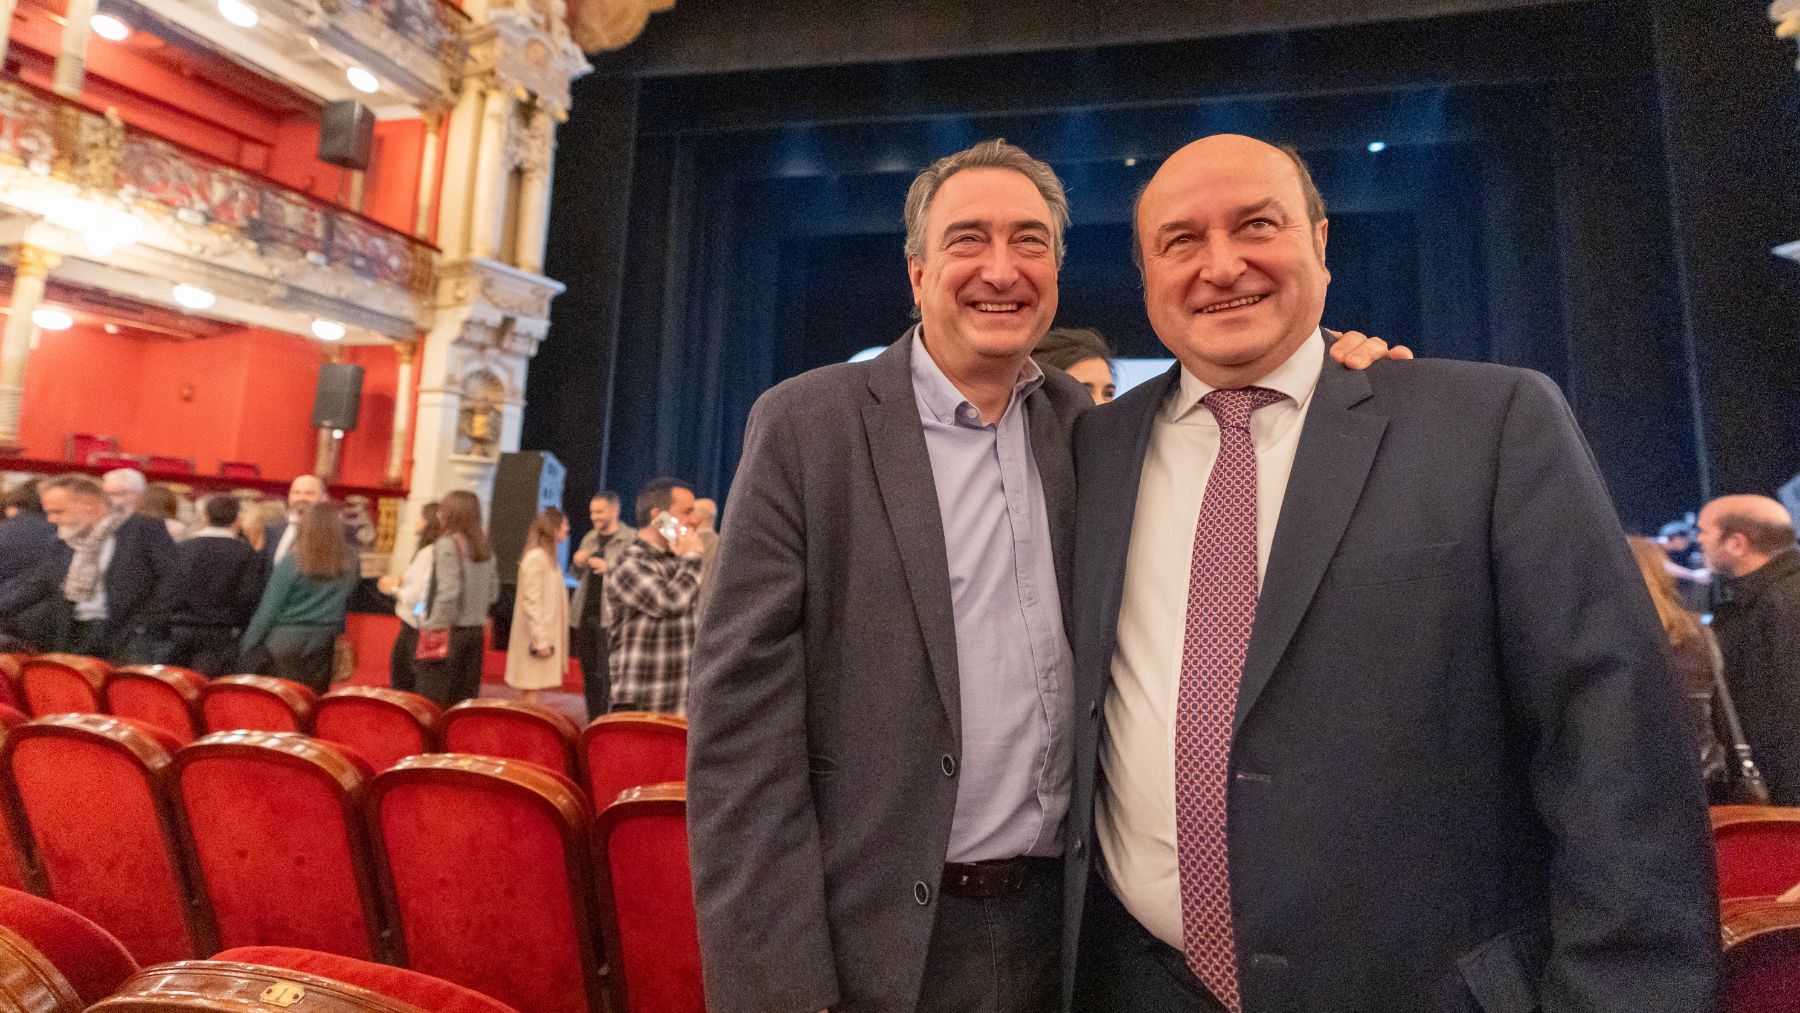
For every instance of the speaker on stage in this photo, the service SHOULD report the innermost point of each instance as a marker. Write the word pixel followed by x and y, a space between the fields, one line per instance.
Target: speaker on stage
pixel 338 397
pixel 346 134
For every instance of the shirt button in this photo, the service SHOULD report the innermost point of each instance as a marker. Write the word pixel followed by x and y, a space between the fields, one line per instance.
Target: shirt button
pixel 949 765
pixel 1080 846
pixel 921 892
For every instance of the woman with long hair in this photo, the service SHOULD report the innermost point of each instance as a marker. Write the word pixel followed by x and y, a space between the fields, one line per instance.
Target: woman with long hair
pixel 1693 655
pixel 295 628
pixel 408 590
pixel 538 651
pixel 462 586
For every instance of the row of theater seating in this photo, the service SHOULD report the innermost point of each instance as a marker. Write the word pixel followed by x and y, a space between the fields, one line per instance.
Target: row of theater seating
pixel 615 752
pixel 489 872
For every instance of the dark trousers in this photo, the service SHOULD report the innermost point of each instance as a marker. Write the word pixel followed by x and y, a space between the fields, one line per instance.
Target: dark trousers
pixel 301 654
pixel 400 659
pixel 210 650
pixel 1123 968
pixel 457 677
pixel 90 638
pixel 591 649
pixel 997 955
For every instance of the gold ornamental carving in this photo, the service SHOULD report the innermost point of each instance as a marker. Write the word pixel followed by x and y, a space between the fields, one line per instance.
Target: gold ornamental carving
pixel 35 261
pixel 610 24
pixel 282 994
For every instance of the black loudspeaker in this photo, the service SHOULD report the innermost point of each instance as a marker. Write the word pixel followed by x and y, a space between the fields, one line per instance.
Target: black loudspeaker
pixel 346 134
pixel 525 483
pixel 339 396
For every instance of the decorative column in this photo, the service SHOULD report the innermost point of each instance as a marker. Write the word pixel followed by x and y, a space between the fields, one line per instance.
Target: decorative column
pixel 71 59
pixel 32 267
pixel 403 400
pixel 6 15
pixel 488 214
pixel 434 125
pixel 538 160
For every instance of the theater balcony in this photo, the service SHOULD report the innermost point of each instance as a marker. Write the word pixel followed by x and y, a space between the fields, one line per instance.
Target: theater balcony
pixel 129 212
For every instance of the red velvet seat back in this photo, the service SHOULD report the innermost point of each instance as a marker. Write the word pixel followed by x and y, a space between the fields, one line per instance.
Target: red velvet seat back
pixel 13 871
pixel 161 695
pixel 88 957
pixel 1760 972
pixel 273 828
pixel 89 788
pixel 647 901
pixel 485 870
pixel 421 990
pixel 62 684
pixel 258 703
pixel 1758 850
pixel 628 749
pixel 512 730
pixel 10 667
pixel 384 725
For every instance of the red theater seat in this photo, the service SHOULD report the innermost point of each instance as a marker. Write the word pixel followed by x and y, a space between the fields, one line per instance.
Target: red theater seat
pixel 169 465
pixel 383 725
pixel 63 684
pixel 86 956
pixel 512 730
pixel 1760 971
pixel 258 703
pixel 239 469
pixel 647 901
pixel 161 695
pixel 273 829
pixel 10 667
pixel 1758 849
pixel 627 749
pixel 484 866
pixel 421 990
pixel 89 789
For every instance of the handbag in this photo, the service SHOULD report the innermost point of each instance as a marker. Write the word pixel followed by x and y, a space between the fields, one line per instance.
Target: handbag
pixel 434 645
pixel 1744 781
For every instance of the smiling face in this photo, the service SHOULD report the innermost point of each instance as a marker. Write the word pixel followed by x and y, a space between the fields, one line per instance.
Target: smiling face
pixel 1234 273
pixel 985 283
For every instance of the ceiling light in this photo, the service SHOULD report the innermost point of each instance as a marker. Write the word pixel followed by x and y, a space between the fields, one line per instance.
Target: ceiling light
pixel 328 330
pixel 238 13
pixel 362 80
pixel 1130 162
pixel 121 228
pixel 49 318
pixel 109 27
pixel 1377 147
pixel 193 297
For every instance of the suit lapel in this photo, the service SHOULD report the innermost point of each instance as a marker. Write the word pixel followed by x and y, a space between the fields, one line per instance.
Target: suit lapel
pixel 1056 475
pixel 908 492
pixel 1337 448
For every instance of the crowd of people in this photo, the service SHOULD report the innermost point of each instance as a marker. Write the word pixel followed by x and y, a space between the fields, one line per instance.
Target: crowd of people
pixel 110 568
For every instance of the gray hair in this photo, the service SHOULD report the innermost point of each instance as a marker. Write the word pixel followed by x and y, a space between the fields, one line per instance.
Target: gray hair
pixel 131 477
pixel 990 154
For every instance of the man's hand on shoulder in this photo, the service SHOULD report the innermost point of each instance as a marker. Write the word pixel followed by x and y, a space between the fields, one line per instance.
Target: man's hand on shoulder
pixel 1359 351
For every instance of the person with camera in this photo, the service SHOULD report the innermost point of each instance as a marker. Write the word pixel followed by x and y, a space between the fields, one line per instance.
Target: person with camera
pixel 652 596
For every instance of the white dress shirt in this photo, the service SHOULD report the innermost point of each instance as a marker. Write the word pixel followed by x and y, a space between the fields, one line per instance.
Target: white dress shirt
pixel 288 534
pixel 1135 809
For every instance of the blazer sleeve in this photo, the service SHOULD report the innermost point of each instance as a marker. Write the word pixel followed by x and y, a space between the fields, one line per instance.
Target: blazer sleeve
pixel 446 603
pixel 1634 908
pixel 759 882
pixel 274 599
pixel 252 575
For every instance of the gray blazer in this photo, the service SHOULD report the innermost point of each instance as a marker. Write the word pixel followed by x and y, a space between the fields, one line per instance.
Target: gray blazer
pixel 465 589
pixel 824 712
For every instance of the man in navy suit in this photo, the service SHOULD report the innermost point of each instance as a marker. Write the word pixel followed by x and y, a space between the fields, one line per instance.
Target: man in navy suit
pixel 103 581
pixel 1371 711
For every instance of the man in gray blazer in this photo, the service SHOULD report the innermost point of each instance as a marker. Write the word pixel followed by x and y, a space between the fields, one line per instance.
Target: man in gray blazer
pixel 1372 712
pixel 879 720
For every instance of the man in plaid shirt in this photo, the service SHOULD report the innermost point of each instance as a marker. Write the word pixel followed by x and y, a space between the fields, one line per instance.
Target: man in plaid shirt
pixel 652 594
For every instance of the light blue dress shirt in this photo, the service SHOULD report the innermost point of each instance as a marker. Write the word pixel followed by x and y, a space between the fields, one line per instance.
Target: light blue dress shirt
pixel 1014 667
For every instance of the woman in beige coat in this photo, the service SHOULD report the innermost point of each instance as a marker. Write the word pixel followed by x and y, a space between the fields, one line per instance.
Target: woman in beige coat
pixel 538 651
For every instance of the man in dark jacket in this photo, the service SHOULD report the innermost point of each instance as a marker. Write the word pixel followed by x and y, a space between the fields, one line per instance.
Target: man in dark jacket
pixel 1749 543
pixel 25 538
pixel 101 585
pixel 218 579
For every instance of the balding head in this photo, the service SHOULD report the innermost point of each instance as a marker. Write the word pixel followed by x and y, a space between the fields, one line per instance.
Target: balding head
pixel 305 491
pixel 1740 533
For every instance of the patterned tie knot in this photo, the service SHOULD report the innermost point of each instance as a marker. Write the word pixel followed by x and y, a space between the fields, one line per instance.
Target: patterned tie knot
pixel 1232 406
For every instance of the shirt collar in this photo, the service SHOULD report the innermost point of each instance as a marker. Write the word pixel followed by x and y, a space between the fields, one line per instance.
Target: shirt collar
pixel 941 398
pixel 1298 377
pixel 211 532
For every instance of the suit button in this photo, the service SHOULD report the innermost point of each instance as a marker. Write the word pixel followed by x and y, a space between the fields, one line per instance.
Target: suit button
pixel 949 765
pixel 921 892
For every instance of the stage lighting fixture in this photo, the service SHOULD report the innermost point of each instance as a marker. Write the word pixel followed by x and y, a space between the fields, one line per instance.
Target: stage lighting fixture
pixel 193 297
pixel 239 13
pixel 110 28
pixel 49 318
pixel 328 330
pixel 1377 147
pixel 362 80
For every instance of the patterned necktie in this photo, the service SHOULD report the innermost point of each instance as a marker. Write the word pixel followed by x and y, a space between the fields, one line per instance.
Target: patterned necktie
pixel 1221 608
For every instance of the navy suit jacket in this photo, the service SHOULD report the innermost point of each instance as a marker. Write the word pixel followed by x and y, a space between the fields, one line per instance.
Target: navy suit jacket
pixel 1459 777
pixel 143 560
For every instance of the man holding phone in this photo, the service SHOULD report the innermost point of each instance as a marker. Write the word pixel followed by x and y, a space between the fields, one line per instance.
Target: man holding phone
pixel 652 595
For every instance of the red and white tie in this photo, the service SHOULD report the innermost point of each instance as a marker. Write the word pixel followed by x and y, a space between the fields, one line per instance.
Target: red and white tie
pixel 1221 608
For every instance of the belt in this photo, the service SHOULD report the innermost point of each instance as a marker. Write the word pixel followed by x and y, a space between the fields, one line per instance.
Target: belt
pixel 996 878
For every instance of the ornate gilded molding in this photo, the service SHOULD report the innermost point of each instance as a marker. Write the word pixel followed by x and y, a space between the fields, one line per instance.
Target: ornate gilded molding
pixel 525 47
pixel 34 261
pixel 609 24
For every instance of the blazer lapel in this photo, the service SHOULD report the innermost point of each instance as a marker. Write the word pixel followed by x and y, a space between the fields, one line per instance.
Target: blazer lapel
pixel 908 492
pixel 1056 474
pixel 1337 448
